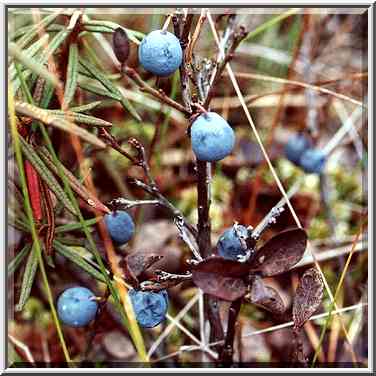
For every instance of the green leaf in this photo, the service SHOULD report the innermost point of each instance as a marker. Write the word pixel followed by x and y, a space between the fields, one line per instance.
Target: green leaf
pixel 101 77
pixel 28 279
pixel 95 89
pixel 75 226
pixel 55 43
pixel 86 107
pixel 36 29
pixel 45 117
pixel 80 118
pixel 109 26
pixel 17 260
pixel 29 53
pixel 32 64
pixel 46 175
pixel 72 74
pixel 77 259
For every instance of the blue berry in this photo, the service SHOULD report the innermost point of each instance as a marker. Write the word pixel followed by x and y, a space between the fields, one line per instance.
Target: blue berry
pixel 120 226
pixel 150 307
pixel 313 161
pixel 76 306
pixel 229 245
pixel 296 146
pixel 212 137
pixel 160 53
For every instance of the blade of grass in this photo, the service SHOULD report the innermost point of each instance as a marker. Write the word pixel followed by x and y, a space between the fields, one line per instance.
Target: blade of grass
pixel 273 21
pixel 15 137
pixel 338 290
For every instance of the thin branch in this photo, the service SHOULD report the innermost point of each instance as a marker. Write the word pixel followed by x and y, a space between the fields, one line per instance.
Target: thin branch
pixel 159 94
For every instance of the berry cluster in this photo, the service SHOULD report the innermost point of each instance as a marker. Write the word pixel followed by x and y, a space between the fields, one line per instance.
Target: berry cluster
pixel 212 140
pixel 300 151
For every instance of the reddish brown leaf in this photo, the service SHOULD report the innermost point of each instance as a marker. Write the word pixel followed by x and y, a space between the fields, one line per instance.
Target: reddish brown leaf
pixel 280 253
pixel 121 44
pixel 266 297
pixel 308 297
pixel 221 278
pixel 138 262
pixel 32 179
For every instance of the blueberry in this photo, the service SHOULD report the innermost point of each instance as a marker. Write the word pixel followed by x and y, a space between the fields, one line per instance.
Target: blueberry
pixel 160 53
pixel 120 226
pixel 76 306
pixel 313 161
pixel 296 146
pixel 150 307
pixel 229 245
pixel 212 137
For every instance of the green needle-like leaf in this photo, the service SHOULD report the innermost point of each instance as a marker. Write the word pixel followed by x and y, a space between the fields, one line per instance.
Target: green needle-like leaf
pixel 100 76
pixel 17 260
pixel 28 279
pixel 72 73
pixel 77 259
pixel 32 64
pixel 46 175
pixel 45 117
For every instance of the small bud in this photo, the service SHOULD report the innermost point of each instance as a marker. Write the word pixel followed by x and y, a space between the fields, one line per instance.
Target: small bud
pixel 121 45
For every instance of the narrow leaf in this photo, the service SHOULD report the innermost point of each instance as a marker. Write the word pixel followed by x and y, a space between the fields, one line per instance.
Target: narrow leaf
pixel 29 53
pixel 75 226
pixel 17 260
pixel 36 29
pixel 266 297
pixel 76 117
pixel 73 181
pixel 280 253
pixel 95 89
pixel 308 297
pixel 85 107
pixel 100 76
pixel 28 279
pixel 77 259
pixel 45 117
pixel 32 64
pixel 46 175
pixel 72 74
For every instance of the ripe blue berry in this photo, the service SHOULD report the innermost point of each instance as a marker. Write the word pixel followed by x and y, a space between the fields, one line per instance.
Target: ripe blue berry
pixel 313 161
pixel 229 245
pixel 76 306
pixel 120 226
pixel 212 137
pixel 296 146
pixel 160 53
pixel 150 307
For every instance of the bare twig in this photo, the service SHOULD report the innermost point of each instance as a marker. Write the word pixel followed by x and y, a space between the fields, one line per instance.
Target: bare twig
pixel 159 94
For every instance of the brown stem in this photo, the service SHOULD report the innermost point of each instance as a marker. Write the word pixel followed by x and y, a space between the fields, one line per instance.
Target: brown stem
pixel 159 94
pixel 228 348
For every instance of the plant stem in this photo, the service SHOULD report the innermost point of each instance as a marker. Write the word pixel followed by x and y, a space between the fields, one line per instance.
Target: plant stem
pixel 228 348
